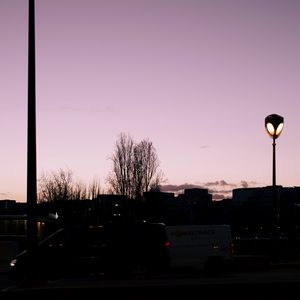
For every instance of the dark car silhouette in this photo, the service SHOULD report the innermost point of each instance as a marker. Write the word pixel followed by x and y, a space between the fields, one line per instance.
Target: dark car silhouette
pixel 112 249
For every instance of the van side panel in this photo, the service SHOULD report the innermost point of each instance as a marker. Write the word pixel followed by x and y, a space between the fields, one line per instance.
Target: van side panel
pixel 193 245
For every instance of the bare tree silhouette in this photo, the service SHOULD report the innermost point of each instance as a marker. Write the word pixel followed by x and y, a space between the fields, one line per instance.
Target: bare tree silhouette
pixel 60 185
pixel 135 168
pixel 94 189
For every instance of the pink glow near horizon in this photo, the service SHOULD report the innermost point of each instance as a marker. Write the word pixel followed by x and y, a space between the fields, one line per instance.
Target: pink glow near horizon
pixel 195 77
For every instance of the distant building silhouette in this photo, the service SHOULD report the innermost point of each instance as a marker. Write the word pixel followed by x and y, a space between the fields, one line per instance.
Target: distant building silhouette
pixel 252 208
pixel 191 207
pixel 108 208
pixel 11 207
pixel 249 211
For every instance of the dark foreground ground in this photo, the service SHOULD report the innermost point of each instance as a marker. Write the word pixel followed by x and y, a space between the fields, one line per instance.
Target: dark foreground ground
pixel 249 279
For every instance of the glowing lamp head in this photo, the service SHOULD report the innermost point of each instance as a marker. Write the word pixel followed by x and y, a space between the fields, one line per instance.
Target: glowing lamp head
pixel 274 125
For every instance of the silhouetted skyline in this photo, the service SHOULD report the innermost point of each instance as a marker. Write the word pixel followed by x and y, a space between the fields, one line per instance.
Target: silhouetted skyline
pixel 195 77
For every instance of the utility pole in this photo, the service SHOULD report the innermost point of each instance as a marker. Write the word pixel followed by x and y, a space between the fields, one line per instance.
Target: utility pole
pixel 31 135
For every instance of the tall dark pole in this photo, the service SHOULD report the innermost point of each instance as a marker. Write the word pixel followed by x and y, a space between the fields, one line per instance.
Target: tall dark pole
pixel 275 204
pixel 274 163
pixel 31 134
pixel 275 191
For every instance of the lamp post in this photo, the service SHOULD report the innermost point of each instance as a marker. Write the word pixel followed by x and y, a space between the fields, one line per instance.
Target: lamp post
pixel 274 125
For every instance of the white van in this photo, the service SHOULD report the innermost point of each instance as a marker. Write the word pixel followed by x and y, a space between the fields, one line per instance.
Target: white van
pixel 206 247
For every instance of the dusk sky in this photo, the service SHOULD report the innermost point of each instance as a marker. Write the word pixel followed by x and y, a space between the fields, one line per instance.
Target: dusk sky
pixel 196 77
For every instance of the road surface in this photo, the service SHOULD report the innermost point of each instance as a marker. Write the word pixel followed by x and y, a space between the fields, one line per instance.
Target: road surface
pixel 276 282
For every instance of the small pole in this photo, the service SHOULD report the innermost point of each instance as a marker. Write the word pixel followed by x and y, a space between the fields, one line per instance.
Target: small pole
pixel 275 191
pixel 276 215
pixel 274 163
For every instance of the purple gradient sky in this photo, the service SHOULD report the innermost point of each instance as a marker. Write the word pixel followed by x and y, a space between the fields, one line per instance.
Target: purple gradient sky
pixel 195 77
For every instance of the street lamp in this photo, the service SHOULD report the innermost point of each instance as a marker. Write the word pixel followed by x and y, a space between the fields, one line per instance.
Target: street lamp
pixel 274 125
